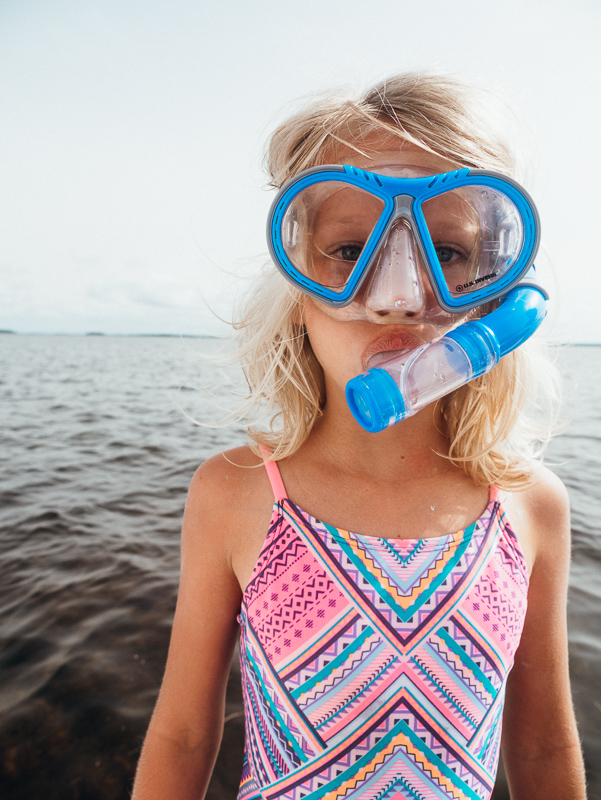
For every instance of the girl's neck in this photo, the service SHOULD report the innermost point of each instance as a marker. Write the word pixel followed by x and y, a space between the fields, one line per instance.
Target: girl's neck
pixel 395 484
pixel 414 447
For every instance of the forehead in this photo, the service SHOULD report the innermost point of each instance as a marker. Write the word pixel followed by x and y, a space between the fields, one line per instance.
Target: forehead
pixel 373 152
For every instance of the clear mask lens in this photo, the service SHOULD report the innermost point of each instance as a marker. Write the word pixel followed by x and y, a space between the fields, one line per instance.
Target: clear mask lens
pixel 477 233
pixel 325 228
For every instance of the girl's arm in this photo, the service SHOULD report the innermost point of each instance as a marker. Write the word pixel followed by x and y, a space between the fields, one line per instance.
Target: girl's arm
pixel 541 749
pixel 186 728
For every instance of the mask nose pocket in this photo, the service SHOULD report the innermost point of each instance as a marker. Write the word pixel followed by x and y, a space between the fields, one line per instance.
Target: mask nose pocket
pixel 396 285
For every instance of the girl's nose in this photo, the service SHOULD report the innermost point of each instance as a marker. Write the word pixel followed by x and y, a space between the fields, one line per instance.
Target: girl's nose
pixel 396 290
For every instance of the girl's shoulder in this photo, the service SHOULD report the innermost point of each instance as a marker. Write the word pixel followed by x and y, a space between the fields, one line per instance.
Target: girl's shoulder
pixel 229 509
pixel 540 516
pixel 230 483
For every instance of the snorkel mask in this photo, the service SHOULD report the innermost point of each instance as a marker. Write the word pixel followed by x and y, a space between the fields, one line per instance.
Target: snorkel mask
pixel 409 248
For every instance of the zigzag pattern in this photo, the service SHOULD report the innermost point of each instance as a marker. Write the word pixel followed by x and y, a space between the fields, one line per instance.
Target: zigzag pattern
pixel 329 676
pixel 476 647
pixel 456 652
pixel 347 623
pixel 334 648
pixel 404 595
pixel 402 621
pixel 375 669
pixel 357 695
pixel 268 732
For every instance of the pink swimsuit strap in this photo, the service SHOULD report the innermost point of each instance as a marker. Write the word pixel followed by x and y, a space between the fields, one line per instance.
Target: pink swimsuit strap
pixel 495 495
pixel 275 478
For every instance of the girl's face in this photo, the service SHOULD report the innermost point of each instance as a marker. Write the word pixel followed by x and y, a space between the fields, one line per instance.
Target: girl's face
pixel 344 346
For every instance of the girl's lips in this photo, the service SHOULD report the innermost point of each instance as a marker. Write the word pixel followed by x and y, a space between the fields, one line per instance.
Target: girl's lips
pixel 389 343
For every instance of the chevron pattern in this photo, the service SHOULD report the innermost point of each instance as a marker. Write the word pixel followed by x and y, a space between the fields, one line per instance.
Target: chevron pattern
pixel 375 669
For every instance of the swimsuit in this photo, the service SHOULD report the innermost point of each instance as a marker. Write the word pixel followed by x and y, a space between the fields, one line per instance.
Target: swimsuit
pixel 375 669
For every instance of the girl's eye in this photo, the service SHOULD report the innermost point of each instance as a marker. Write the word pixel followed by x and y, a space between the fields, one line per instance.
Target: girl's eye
pixel 447 254
pixel 348 252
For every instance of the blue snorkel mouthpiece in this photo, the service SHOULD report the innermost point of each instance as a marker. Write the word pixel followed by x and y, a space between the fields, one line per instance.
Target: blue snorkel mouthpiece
pixel 412 379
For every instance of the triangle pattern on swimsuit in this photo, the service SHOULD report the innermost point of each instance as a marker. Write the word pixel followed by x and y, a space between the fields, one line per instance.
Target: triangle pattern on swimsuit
pixel 375 669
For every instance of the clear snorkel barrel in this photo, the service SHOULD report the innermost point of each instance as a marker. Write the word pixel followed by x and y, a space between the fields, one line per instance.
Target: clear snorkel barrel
pixel 411 379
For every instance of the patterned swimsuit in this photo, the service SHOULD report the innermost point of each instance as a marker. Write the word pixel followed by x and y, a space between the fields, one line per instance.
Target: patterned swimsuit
pixel 375 669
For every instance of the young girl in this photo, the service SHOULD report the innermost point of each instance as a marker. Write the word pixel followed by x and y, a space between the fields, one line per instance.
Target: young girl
pixel 398 593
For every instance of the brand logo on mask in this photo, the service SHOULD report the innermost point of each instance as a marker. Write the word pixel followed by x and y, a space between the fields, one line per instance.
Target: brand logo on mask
pixel 461 287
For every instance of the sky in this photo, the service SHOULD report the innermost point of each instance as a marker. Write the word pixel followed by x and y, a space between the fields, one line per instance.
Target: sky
pixel 132 197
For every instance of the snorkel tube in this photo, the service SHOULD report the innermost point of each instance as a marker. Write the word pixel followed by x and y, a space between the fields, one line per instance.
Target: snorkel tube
pixel 411 379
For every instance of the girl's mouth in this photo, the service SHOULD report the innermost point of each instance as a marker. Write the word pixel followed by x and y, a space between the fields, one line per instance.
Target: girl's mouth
pixel 383 347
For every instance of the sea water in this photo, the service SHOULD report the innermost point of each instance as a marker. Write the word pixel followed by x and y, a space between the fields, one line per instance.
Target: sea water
pixel 96 454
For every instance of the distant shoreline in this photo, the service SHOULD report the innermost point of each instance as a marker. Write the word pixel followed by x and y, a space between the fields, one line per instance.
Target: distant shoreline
pixel 129 335
pixel 203 336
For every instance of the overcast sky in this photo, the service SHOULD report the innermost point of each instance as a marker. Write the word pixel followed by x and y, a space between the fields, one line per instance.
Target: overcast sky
pixel 131 192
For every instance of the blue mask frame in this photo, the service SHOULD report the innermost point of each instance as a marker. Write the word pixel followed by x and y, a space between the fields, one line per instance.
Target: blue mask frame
pixel 403 199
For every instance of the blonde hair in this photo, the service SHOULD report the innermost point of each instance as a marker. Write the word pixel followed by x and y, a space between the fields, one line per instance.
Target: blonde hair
pixel 498 424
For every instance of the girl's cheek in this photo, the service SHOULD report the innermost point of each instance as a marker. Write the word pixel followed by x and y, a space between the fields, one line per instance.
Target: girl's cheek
pixel 338 345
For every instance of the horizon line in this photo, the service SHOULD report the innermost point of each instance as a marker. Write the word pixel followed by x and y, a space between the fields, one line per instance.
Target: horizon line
pixel 9 332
